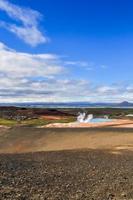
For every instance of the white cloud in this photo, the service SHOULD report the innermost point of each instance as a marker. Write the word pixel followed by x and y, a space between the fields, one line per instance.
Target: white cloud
pixel 77 63
pixel 86 65
pixel 19 64
pixel 28 31
pixel 40 78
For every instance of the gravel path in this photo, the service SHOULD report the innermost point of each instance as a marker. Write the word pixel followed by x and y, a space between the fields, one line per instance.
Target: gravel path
pixel 67 175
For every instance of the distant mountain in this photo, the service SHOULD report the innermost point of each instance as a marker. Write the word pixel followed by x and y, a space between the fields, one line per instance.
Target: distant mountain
pixel 69 104
pixel 125 104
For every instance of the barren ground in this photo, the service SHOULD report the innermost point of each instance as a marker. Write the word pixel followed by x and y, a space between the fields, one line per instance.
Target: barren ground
pixel 23 139
pixel 66 164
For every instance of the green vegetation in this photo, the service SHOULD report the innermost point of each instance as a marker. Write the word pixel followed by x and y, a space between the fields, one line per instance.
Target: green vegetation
pixel 42 122
pixel 7 122
pixel 34 122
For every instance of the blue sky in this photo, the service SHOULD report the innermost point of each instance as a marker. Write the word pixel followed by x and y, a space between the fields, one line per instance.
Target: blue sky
pixel 66 50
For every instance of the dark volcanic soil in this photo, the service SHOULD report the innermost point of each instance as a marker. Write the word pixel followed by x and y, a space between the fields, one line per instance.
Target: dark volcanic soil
pixel 67 175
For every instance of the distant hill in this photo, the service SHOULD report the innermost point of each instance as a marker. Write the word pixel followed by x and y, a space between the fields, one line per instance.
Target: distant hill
pixel 68 104
pixel 125 104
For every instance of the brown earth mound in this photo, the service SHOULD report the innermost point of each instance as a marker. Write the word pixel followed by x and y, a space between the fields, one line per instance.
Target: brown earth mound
pixel 22 139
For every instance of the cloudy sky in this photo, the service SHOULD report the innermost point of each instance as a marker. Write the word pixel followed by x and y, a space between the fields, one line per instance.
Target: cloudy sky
pixel 64 50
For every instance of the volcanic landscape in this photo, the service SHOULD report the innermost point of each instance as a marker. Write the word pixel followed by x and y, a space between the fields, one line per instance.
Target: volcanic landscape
pixel 50 163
